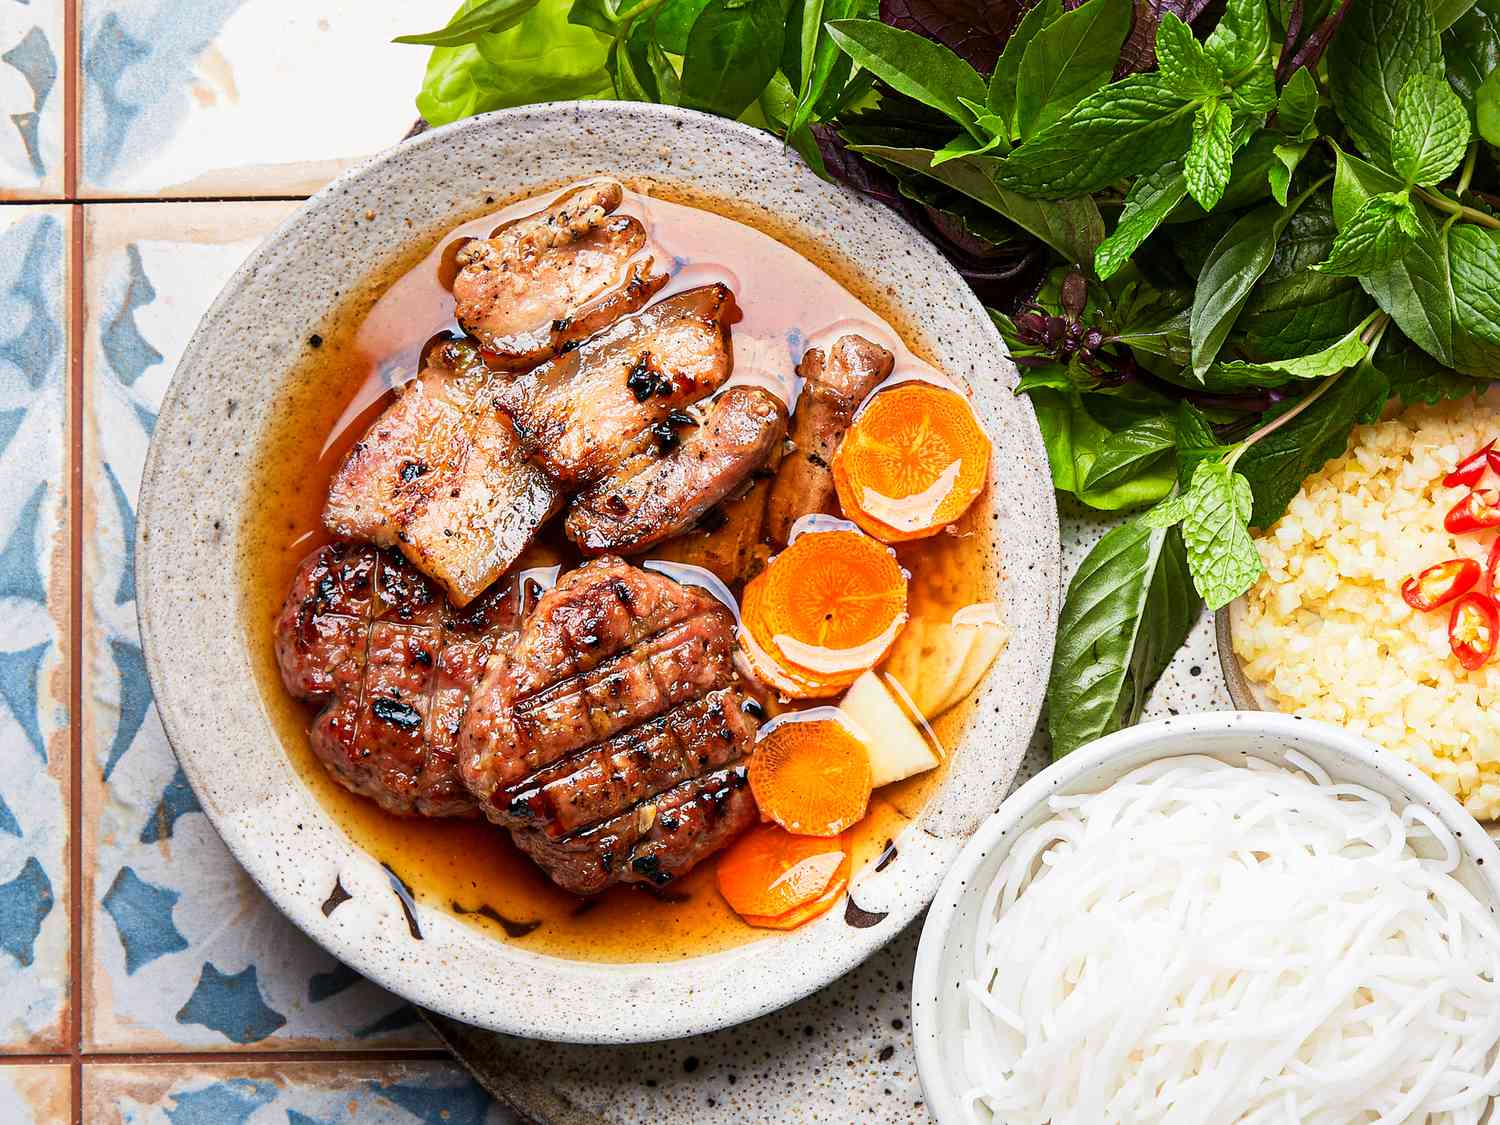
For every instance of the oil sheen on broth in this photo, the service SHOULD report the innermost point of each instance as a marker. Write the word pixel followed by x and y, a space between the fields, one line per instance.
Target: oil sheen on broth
pixel 374 342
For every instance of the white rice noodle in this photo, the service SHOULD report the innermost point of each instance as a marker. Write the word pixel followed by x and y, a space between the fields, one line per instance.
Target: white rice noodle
pixel 1204 943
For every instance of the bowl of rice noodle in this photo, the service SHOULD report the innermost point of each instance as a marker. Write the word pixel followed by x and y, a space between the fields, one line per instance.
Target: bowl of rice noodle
pixel 1215 919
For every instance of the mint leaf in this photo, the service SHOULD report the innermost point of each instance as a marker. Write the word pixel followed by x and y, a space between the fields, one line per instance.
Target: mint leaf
pixel 1127 128
pixel 1002 89
pixel 1302 314
pixel 1487 107
pixel 1374 236
pixel 1170 512
pixel 1220 552
pixel 1150 200
pixel 912 65
pixel 1243 37
pixel 1128 453
pixel 1474 264
pixel 1128 609
pixel 1277 465
pixel 1067 60
pixel 1415 289
pixel 1182 60
pixel 1196 442
pixel 1297 110
pixel 1234 266
pixel 1211 157
pixel 1379 47
pixel 1344 353
pixel 1432 131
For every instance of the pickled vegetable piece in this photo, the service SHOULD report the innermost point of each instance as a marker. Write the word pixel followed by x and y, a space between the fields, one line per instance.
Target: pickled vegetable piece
pixel 825 609
pixel 768 871
pixel 912 463
pixel 810 773
pixel 806 913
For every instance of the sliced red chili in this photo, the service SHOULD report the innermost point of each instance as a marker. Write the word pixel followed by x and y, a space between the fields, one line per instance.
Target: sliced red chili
pixel 1467 472
pixel 1438 585
pixel 1476 511
pixel 1473 627
pixel 1492 569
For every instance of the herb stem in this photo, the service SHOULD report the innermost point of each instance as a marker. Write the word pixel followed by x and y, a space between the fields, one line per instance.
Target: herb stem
pixel 1468 173
pixel 1456 209
pixel 1282 419
pixel 1371 336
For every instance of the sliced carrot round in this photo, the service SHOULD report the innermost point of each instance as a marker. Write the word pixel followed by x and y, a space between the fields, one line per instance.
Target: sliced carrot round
pixel 768 871
pixel 912 462
pixel 810 773
pixel 807 912
pixel 825 609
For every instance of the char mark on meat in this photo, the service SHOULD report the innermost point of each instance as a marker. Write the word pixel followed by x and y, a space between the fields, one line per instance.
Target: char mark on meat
pixel 545 282
pixel 369 638
pixel 441 476
pixel 585 413
pixel 655 842
pixel 657 498
pixel 638 763
pixel 833 387
pixel 608 648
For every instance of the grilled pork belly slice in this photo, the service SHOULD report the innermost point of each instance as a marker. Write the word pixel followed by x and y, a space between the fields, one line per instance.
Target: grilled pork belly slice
pixel 393 664
pixel 441 476
pixel 832 390
pixel 608 648
pixel 544 282
pixel 606 779
pixel 655 842
pixel 585 413
pixel 644 504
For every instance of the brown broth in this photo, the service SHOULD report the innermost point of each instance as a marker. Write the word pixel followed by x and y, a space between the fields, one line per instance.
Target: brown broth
pixel 373 343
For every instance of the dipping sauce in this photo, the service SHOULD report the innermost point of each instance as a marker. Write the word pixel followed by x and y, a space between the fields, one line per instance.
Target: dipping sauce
pixel 375 342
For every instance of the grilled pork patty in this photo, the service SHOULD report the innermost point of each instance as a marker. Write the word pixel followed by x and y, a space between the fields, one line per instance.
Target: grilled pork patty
pixel 615 706
pixel 393 664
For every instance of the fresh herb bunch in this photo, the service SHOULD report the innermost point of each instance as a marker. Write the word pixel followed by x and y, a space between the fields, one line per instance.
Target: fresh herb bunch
pixel 1216 236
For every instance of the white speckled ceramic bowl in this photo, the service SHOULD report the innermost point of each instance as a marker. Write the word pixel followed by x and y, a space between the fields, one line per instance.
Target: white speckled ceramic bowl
pixel 221 400
pixel 945 955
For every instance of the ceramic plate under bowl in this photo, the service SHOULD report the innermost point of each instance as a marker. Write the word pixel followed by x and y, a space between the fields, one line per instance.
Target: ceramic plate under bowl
pixel 945 956
pixel 225 394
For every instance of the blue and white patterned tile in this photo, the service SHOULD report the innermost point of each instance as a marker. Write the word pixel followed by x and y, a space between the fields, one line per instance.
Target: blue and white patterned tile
pixel 244 97
pixel 34 592
pixel 391 1093
pixel 181 951
pixel 32 56
pixel 36 1094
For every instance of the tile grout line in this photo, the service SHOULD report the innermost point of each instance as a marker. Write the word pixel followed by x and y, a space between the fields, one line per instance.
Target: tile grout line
pixel 93 200
pixel 72 72
pixel 246 1055
pixel 75 653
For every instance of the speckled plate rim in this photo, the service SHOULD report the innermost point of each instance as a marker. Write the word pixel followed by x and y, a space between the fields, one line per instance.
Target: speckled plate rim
pixel 193 490
pixel 1270 733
